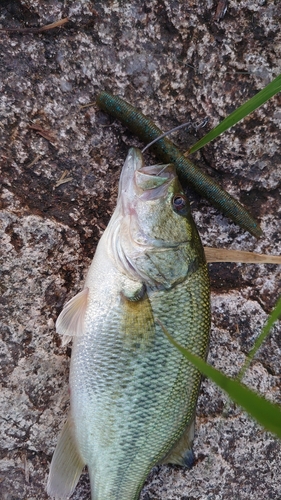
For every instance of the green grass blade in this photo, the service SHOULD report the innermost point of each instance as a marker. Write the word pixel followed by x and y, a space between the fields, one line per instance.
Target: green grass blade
pixel 276 313
pixel 255 102
pixel 263 411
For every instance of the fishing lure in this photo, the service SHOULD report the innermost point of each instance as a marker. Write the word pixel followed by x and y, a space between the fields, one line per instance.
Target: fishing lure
pixel 167 152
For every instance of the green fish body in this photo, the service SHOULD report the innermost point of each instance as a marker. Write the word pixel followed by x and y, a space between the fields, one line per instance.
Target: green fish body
pixel 133 396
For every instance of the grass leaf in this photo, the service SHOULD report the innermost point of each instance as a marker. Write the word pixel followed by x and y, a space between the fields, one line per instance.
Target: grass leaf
pixel 263 411
pixel 275 314
pixel 251 105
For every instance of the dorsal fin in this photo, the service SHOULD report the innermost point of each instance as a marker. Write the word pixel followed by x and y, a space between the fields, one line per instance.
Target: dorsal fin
pixel 71 319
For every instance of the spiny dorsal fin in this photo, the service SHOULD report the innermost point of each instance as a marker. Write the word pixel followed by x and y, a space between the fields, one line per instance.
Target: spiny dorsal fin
pixel 224 255
pixel 71 320
pixel 66 466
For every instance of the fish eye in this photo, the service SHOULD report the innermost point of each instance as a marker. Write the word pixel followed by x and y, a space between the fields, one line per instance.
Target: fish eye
pixel 179 203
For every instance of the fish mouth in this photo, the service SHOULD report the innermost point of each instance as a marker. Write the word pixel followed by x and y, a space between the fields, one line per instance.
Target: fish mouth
pixel 144 182
pixel 134 162
pixel 139 182
pixel 153 182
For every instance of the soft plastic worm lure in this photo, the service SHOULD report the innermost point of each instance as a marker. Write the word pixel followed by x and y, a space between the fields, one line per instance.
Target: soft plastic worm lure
pixel 167 152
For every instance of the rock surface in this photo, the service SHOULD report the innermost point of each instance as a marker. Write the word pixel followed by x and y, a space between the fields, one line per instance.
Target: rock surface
pixel 60 162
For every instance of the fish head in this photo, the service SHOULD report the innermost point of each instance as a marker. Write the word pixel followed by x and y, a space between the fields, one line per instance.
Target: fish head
pixel 156 239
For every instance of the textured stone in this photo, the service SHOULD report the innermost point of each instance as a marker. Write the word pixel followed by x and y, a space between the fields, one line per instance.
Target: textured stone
pixel 176 62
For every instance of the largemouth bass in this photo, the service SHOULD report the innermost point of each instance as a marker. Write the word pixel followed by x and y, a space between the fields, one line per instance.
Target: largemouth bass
pixel 132 395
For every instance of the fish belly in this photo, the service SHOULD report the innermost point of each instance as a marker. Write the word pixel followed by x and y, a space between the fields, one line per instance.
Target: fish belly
pixel 133 396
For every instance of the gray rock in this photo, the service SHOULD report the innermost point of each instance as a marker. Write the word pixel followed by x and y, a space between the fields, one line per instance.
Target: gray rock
pixel 176 62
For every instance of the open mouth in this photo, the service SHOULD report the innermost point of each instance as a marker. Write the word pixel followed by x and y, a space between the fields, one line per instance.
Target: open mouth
pixel 153 181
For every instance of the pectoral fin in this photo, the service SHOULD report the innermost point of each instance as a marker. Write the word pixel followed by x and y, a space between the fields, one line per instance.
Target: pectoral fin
pixel 138 324
pixel 71 320
pixel 66 466
pixel 181 453
pixel 224 255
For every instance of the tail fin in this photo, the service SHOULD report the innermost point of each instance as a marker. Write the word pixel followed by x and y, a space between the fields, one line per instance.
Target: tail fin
pixel 66 466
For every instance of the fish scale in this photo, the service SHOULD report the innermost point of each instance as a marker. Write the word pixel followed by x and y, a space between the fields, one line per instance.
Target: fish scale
pixel 132 395
pixel 159 379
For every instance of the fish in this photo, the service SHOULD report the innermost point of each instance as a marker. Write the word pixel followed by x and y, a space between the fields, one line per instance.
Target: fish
pixel 132 395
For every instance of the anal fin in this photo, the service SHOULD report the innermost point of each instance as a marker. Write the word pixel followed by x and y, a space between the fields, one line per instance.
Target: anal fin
pixel 66 466
pixel 181 453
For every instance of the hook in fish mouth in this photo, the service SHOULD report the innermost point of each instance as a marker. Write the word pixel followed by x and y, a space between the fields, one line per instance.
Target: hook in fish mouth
pixel 145 182
pixel 154 176
pixel 153 182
